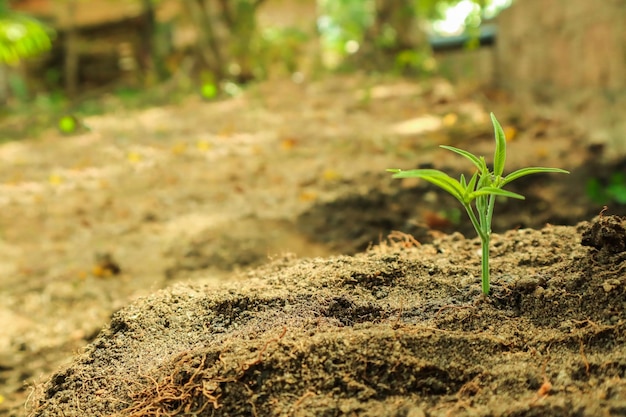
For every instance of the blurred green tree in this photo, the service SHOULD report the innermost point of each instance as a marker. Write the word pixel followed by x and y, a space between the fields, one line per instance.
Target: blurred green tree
pixel 387 34
pixel 21 37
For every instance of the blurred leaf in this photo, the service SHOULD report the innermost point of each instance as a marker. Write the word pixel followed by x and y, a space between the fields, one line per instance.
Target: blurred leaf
pixel 133 157
pixel 55 179
pixel 67 124
pixel 22 37
pixel 616 189
pixel 331 175
pixel 203 145
pixel 208 91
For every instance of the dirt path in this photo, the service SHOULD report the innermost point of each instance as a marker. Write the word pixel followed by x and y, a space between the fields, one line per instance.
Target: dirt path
pixel 201 189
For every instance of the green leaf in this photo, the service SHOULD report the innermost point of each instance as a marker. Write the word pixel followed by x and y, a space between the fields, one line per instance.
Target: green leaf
pixel 67 124
pixel 497 191
pixel 208 90
pixel 484 181
pixel 436 177
pixel 482 167
pixel 450 185
pixel 499 156
pixel 595 191
pixel 617 192
pixel 416 173
pixel 21 37
pixel 472 183
pixel 528 171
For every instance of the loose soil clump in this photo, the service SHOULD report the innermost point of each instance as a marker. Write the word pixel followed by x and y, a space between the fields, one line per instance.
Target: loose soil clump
pixel 400 330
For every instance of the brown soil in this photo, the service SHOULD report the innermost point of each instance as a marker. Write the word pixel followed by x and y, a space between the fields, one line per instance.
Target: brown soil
pixel 397 331
pixel 206 192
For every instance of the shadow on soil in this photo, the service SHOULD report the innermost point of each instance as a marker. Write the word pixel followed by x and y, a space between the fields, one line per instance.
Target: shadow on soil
pixel 353 223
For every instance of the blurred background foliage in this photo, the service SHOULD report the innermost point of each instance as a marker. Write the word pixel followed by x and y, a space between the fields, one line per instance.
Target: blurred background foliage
pixel 21 36
pixel 63 53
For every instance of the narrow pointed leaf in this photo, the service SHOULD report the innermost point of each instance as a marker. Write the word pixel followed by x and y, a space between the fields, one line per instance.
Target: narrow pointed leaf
pixel 449 184
pixel 436 177
pixel 472 183
pixel 486 174
pixel 417 173
pixel 482 167
pixel 483 181
pixel 499 156
pixel 529 171
pixel 497 191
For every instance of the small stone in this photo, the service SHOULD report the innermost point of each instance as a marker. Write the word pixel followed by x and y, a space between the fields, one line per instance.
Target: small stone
pixel 416 412
pixel 610 284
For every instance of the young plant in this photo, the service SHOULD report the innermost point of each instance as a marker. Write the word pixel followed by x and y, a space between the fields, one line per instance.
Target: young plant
pixel 478 195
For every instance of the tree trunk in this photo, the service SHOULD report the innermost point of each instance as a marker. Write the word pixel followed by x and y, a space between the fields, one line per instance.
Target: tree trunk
pixel 208 45
pixel 150 59
pixel 4 85
pixel 240 18
pixel 395 30
pixel 71 51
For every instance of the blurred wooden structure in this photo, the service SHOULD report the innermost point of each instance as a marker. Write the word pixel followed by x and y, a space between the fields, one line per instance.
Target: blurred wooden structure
pixel 99 41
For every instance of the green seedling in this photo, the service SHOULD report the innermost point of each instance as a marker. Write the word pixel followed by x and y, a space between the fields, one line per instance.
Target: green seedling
pixel 478 195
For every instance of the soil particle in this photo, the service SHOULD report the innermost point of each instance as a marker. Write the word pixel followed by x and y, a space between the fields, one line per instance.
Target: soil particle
pixel 607 234
pixel 400 330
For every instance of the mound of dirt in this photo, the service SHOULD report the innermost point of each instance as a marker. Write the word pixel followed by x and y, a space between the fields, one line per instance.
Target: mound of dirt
pixel 401 330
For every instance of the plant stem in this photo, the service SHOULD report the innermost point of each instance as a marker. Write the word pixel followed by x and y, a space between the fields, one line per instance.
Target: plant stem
pixel 484 261
pixel 486 242
pixel 474 220
pixel 483 228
